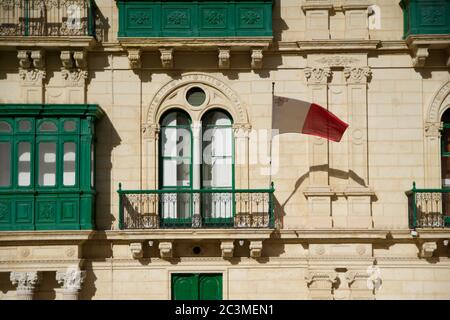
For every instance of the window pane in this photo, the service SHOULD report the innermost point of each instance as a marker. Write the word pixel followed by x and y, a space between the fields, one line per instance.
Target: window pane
pixel 5 127
pixel 220 140
pixel 47 126
pixel 175 119
pixel 5 164
pixel 221 172
pixel 69 125
pixel 24 165
pixel 176 173
pixel 69 164
pixel 176 142
pixel 24 125
pixel 47 164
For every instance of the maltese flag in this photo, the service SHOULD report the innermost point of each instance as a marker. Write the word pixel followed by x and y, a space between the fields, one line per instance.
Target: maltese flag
pixel 297 116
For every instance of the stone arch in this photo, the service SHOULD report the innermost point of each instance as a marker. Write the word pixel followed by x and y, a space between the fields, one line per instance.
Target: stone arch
pixel 438 104
pixel 235 106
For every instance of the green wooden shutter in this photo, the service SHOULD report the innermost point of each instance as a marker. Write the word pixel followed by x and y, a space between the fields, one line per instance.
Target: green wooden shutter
pixel 185 287
pixel 210 286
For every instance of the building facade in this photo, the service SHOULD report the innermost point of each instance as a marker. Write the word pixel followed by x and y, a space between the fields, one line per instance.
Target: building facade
pixel 138 158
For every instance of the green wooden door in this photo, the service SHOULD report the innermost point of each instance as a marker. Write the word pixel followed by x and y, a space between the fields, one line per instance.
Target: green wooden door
pixel 191 286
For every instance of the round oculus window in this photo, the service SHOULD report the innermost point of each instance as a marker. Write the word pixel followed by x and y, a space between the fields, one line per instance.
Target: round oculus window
pixel 195 96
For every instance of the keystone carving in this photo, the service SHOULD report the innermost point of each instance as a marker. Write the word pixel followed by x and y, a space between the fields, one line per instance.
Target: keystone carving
pixel 317 75
pixel 428 249
pixel 256 249
pixel 227 248
pixel 134 58
pixel 166 57
pixel 165 250
pixel 26 283
pixel 257 58
pixel 136 250
pixel 224 58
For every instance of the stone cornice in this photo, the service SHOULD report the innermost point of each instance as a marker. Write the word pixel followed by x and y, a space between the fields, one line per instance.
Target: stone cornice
pixel 47 43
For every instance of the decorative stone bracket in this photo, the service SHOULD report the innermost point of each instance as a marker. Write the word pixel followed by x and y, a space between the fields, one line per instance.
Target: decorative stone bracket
pixel 166 57
pixel 224 58
pixel 420 46
pixel 134 57
pixel 257 58
pixel 26 283
pixel 136 250
pixel 320 283
pixel 165 250
pixel 362 284
pixel 357 75
pixel 71 280
pixel 31 65
pixel 427 249
pixel 227 248
pixel 317 75
pixel 74 69
pixel 256 249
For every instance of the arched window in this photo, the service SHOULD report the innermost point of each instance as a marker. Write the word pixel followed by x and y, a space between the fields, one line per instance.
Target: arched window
pixel 445 150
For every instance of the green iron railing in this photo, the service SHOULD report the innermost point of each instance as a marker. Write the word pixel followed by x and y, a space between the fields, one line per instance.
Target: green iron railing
pixel 47 18
pixel 428 208
pixel 203 208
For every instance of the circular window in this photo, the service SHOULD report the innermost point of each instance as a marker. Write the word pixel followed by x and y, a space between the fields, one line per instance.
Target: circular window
pixel 195 96
pixel 196 250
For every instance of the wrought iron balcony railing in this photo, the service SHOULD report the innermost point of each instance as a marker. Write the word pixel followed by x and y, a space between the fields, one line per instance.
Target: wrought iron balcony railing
pixel 47 18
pixel 428 208
pixel 205 208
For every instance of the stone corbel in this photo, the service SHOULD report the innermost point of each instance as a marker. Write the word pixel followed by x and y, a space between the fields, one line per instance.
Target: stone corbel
pixel 71 280
pixel 224 58
pixel 256 249
pixel 361 284
pixel 150 132
pixel 134 58
pixel 317 75
pixel 166 57
pixel 26 283
pixel 448 57
pixel 74 67
pixel 165 250
pixel 136 250
pixel 227 248
pixel 320 283
pixel 357 75
pixel 420 55
pixel 257 58
pixel 32 66
pixel 427 249
pixel 80 58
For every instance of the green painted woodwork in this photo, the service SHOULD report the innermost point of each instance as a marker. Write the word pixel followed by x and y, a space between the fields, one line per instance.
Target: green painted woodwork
pixel 197 286
pixel 425 17
pixel 187 18
pixel 57 207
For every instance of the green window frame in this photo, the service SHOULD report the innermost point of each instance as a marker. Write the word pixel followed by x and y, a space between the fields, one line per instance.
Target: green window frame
pixel 50 188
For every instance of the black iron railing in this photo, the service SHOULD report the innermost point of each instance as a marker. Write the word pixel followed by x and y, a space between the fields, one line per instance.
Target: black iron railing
pixel 428 208
pixel 47 18
pixel 204 208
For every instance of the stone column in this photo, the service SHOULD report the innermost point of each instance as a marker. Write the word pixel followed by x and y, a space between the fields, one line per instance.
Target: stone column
pixel 71 281
pixel 357 191
pixel 319 192
pixel 32 74
pixel 320 284
pixel 26 283
pixel 150 135
pixel 241 155
pixel 432 155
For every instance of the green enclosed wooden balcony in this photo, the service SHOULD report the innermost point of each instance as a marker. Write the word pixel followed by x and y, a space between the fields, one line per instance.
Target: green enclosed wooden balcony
pixel 203 208
pixel 47 166
pixel 428 208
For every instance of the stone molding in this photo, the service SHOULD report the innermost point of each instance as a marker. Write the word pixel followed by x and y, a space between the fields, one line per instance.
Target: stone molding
pixel 433 129
pixel 357 75
pixel 151 132
pixel 320 283
pixel 71 280
pixel 26 283
pixel 419 46
pixel 317 75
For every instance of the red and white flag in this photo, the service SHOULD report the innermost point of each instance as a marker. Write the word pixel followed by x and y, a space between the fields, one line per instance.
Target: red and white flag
pixel 297 116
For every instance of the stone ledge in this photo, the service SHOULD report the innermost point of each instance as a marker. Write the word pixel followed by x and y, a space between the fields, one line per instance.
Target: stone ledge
pixel 48 43
pixel 338 45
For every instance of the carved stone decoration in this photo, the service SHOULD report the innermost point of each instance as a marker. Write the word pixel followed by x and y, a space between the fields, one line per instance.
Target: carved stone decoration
pixel 361 285
pixel 420 55
pixel 26 283
pixel 427 249
pixel 337 61
pixel 257 58
pixel 433 129
pixel 74 67
pixel 224 58
pixel 317 75
pixel 320 284
pixel 256 249
pixel 165 250
pixel 166 57
pixel 357 75
pixel 134 58
pixel 136 250
pixel 241 130
pixel 227 248
pixel 151 132
pixel 71 280
pixel 31 66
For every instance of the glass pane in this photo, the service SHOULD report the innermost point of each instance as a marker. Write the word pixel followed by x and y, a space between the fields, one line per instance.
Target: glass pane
pixel 24 125
pixel 176 173
pixel 216 118
pixel 5 164
pixel 176 142
pixel 221 172
pixel 175 118
pixel 5 127
pixel 195 96
pixel 24 165
pixel 70 125
pixel 47 164
pixel 221 142
pixel 69 164
pixel 47 126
